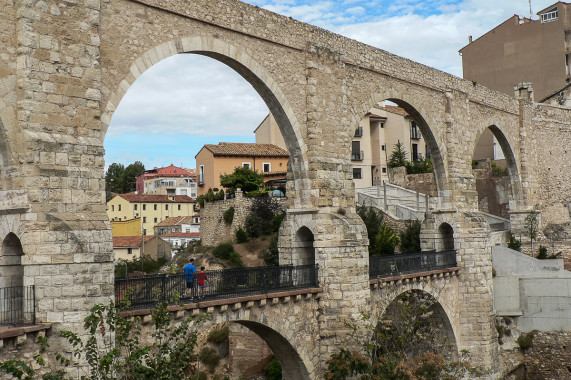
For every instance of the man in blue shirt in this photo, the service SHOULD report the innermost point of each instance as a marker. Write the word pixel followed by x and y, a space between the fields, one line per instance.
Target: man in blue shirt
pixel 189 270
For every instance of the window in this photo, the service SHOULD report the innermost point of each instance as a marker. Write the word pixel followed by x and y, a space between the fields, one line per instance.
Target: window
pixel 183 192
pixel 415 152
pixel 427 151
pixel 414 131
pixel 145 232
pixel 384 170
pixel 567 64
pixel 119 207
pixel 550 15
pixel 144 219
pixel 359 132
pixel 357 173
pixel 356 153
pixel 267 167
pixel 246 165
pixel 166 207
pixel 201 175
pixel 155 220
pixel 383 147
pixel 144 207
pixel 129 251
pixel 135 206
pixel 155 207
pixel 178 207
pixel 112 207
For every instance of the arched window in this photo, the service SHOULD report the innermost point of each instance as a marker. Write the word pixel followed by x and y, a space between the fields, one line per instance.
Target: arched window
pixel 445 241
pixel 12 272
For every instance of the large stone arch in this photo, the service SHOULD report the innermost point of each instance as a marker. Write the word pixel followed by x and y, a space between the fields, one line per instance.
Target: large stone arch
pixel 428 121
pixel 237 58
pixel 506 142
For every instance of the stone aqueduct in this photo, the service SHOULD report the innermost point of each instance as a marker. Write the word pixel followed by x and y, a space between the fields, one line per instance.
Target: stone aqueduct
pixel 66 64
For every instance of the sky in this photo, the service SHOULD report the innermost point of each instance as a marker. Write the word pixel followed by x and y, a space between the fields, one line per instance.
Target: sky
pixel 187 100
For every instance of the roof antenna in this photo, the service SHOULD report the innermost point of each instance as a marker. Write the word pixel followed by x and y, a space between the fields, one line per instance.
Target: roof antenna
pixel 530 12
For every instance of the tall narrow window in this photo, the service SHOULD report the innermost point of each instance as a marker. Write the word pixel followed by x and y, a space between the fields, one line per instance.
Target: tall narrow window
pixel 267 167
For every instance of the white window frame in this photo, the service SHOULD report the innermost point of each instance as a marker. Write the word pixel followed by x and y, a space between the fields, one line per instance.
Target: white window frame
pixel 247 163
pixel 264 167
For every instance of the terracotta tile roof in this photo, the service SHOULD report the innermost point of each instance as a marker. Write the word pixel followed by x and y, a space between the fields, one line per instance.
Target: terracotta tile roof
pixel 175 221
pixel 156 198
pixel 271 174
pixel 172 170
pixel 182 234
pixel 246 150
pixel 130 241
pixel 397 110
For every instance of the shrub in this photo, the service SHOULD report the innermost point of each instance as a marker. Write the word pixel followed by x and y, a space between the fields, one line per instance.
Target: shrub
pixel 542 253
pixel 218 336
pixel 253 225
pixel 271 254
pixel 525 340
pixel 277 221
pixel 422 165
pixel 410 238
pixel 209 356
pixel 236 260
pixel 373 220
pixel 386 241
pixel 223 251
pixel 514 243
pixel 497 171
pixel 274 370
pixel 266 209
pixel 241 236
pixel 229 215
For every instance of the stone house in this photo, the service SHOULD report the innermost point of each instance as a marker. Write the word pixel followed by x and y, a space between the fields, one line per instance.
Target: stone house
pixel 215 160
pixel 129 248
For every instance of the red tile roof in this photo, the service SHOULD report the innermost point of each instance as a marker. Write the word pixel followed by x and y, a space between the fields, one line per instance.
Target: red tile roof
pixel 175 221
pixel 182 234
pixel 130 241
pixel 397 110
pixel 156 198
pixel 172 170
pixel 246 150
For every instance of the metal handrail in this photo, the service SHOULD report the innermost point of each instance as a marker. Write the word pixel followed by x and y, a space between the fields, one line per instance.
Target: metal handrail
pixel 219 284
pixel 406 263
pixel 17 305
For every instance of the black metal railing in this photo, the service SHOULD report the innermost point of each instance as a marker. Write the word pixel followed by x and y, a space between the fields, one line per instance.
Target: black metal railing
pixel 406 263
pixel 359 132
pixel 220 284
pixel 358 156
pixel 17 305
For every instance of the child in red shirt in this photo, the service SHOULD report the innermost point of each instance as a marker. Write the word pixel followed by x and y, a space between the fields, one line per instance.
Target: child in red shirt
pixel 201 280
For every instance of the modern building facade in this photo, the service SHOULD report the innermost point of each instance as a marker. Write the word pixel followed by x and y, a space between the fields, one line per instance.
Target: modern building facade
pixel 215 160
pixel 152 208
pixel 523 50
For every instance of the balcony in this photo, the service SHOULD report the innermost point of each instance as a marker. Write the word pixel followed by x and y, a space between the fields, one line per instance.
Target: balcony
pixel 17 305
pixel 359 156
pixel 415 134
pixel 201 180
pixel 359 132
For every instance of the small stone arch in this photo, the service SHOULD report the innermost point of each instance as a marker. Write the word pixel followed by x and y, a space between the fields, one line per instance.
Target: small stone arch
pixel 11 262
pixel 443 339
pixel 445 238
pixel 428 128
pixel 303 248
pixel 238 59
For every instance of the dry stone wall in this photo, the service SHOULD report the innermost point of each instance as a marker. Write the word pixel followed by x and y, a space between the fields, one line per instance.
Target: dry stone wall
pixel 549 356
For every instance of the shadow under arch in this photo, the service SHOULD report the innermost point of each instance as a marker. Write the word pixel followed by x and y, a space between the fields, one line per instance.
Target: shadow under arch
pixel 417 309
pixel 293 366
pixel 304 250
pixel 515 195
pixel 11 269
pixel 445 240
pixel 236 58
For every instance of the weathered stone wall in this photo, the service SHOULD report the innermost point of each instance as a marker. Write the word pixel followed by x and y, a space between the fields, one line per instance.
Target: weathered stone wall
pixel 549 357
pixel 214 229
pixel 423 183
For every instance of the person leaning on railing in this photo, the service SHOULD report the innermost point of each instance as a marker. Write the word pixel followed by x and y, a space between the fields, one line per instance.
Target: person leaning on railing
pixel 189 270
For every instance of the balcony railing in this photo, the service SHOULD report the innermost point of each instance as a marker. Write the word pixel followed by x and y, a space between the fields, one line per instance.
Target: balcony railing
pixel 17 305
pixel 406 263
pixel 230 283
pixel 359 132
pixel 359 156
pixel 201 180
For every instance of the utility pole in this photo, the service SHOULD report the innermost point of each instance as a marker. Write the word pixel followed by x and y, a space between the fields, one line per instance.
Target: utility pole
pixel 530 12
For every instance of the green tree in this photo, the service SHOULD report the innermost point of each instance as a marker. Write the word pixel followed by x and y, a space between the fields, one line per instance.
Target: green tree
pixel 398 156
pixel 120 179
pixel 373 220
pixel 514 243
pixel 253 226
pixel 410 238
pixel 243 178
pixel 131 173
pixel 266 208
pixel 386 241
pixel 531 224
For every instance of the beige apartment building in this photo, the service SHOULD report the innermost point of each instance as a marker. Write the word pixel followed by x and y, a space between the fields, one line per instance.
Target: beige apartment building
pixel 523 50
pixel 215 160
pixel 375 138
pixel 153 209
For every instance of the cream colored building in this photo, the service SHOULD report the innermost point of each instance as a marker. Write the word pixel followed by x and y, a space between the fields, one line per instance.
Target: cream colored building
pixel 215 160
pixel 153 209
pixel 375 138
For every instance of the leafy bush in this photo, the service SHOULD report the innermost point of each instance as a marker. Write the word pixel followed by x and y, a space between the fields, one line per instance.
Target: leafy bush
pixel 259 193
pixel 210 196
pixel 253 225
pixel 514 243
pixel 218 336
pixel 373 220
pixel 422 165
pixel 210 357
pixel 386 241
pixel 265 208
pixel 497 171
pixel 542 253
pixel 274 370
pixel 242 178
pixel 525 341
pixel 271 254
pixel 410 238
pixel 241 236
pixel 229 215
pixel 277 221
pixel 236 260
pixel 223 251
